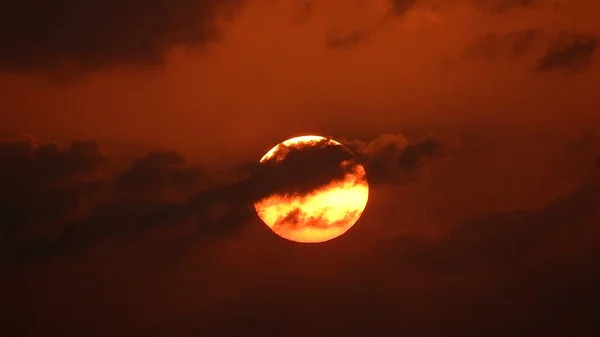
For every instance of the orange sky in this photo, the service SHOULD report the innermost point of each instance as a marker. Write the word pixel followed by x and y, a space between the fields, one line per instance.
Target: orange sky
pixel 476 122
pixel 273 65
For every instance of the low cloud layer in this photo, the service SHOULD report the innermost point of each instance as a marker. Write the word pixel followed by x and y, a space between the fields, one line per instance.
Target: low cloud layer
pixel 67 200
pixel 524 269
pixel 44 183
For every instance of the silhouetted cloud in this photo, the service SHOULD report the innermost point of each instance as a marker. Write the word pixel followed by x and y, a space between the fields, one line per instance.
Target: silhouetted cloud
pixel 356 37
pixel 37 35
pixel 44 183
pixel 63 187
pixel 351 39
pixel 159 189
pixel 509 45
pixel 414 154
pixel 522 271
pixel 569 51
pixel 304 169
pixel 296 219
pixel 159 172
pixel 390 158
pixel 566 50
pixel 57 200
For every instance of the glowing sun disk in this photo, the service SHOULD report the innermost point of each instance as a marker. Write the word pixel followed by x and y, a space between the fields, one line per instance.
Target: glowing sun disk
pixel 322 214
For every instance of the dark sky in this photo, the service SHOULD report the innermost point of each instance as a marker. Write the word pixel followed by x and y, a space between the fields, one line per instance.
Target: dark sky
pixel 130 138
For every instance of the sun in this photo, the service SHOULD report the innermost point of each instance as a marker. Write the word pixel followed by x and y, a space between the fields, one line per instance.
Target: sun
pixel 326 210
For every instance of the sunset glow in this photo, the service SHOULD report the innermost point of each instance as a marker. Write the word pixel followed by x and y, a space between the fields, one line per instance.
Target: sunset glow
pixel 320 215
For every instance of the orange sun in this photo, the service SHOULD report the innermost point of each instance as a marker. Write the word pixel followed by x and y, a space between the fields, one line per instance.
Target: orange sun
pixel 322 213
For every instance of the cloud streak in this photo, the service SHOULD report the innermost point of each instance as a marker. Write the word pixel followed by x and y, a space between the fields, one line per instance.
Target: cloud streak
pixel 69 189
pixel 356 37
pixel 568 51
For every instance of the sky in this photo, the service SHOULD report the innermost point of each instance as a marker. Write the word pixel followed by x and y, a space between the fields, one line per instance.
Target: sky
pixel 129 150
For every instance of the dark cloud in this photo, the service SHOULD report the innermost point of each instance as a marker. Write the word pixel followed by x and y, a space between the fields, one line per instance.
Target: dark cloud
pixel 519 272
pixel 159 172
pixel 537 269
pixel 504 240
pixel 573 52
pixel 159 189
pixel 585 144
pixel 399 7
pixel 304 169
pixel 214 212
pixel 567 50
pixel 509 45
pixel 356 37
pixel 58 200
pixel 414 154
pixel 392 159
pixel 296 219
pixel 38 34
pixel 44 183
pixel 489 280
pixel 64 186
pixel 349 40
pixel 117 217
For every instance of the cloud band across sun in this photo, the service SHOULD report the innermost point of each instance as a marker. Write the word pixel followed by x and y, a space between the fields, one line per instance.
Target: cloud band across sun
pixel 322 209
